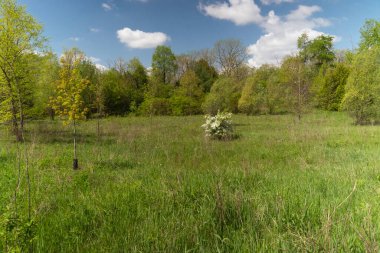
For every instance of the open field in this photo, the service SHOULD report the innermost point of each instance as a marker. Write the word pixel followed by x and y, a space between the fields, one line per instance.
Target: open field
pixel 157 185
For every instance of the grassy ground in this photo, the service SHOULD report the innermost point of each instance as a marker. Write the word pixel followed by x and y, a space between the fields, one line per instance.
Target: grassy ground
pixel 157 185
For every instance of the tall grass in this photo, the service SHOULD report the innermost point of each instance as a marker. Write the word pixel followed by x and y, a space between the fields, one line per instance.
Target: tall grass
pixel 157 185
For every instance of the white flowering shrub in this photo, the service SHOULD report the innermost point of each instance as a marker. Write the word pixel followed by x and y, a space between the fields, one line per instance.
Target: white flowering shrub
pixel 219 126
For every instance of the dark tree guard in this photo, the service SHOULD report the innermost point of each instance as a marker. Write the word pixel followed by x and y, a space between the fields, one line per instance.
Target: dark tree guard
pixel 75 164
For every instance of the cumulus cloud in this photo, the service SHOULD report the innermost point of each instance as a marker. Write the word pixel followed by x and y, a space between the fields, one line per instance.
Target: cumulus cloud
pixel 268 2
pixel 139 39
pixel 106 6
pixel 240 12
pixel 97 63
pixel 280 32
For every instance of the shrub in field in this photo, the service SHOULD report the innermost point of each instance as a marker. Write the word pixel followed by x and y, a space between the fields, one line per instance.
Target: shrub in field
pixel 219 126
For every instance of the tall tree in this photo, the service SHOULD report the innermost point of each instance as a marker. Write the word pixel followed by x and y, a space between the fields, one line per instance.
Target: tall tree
pixel 318 51
pixel 206 73
pixel 362 93
pixel 331 85
pixel 20 36
pixel 370 34
pixel 138 80
pixel 164 64
pixel 68 101
pixel 230 55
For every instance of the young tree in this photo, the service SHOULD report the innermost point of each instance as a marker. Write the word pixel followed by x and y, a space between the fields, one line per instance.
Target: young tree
pixel 20 36
pixel 295 76
pixel 68 101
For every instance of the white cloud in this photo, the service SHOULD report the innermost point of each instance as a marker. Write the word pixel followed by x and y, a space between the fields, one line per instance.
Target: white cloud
pixel 101 67
pixel 139 39
pixel 280 32
pixel 106 6
pixel 240 12
pixel 94 30
pixel 96 62
pixel 93 59
pixel 268 2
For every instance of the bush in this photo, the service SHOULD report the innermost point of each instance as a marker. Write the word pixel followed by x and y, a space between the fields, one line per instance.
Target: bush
pixel 219 126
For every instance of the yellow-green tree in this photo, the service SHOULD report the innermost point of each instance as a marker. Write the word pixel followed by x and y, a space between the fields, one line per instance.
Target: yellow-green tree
pixel 20 37
pixel 68 101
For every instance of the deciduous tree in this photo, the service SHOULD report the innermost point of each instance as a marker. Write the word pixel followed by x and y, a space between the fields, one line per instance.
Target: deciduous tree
pixel 68 101
pixel 20 37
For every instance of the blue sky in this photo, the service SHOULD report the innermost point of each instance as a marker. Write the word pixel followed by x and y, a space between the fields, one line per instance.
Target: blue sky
pixel 110 29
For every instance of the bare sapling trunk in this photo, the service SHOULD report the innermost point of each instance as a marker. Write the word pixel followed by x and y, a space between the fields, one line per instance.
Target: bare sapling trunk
pixel 75 161
pixel 98 121
pixel 299 94
pixel 15 126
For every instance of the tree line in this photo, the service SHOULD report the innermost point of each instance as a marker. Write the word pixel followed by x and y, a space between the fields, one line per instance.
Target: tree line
pixel 36 83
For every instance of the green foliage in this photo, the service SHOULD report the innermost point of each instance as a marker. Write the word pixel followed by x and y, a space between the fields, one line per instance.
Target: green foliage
pixel 116 100
pixel 295 77
pixel 188 97
pixel 48 76
pixel 262 92
pixel 18 234
pixel 206 73
pixel 224 96
pixel 20 36
pixel 164 64
pixel 123 87
pixel 155 106
pixel 332 84
pixel 362 96
pixel 157 98
pixel 370 34
pixel 318 51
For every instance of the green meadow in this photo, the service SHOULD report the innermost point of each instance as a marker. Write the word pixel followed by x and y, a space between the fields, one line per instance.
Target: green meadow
pixel 158 185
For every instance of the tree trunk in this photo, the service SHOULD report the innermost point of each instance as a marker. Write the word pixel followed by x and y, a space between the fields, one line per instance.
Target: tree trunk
pixel 299 94
pixel 15 127
pixel 75 161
